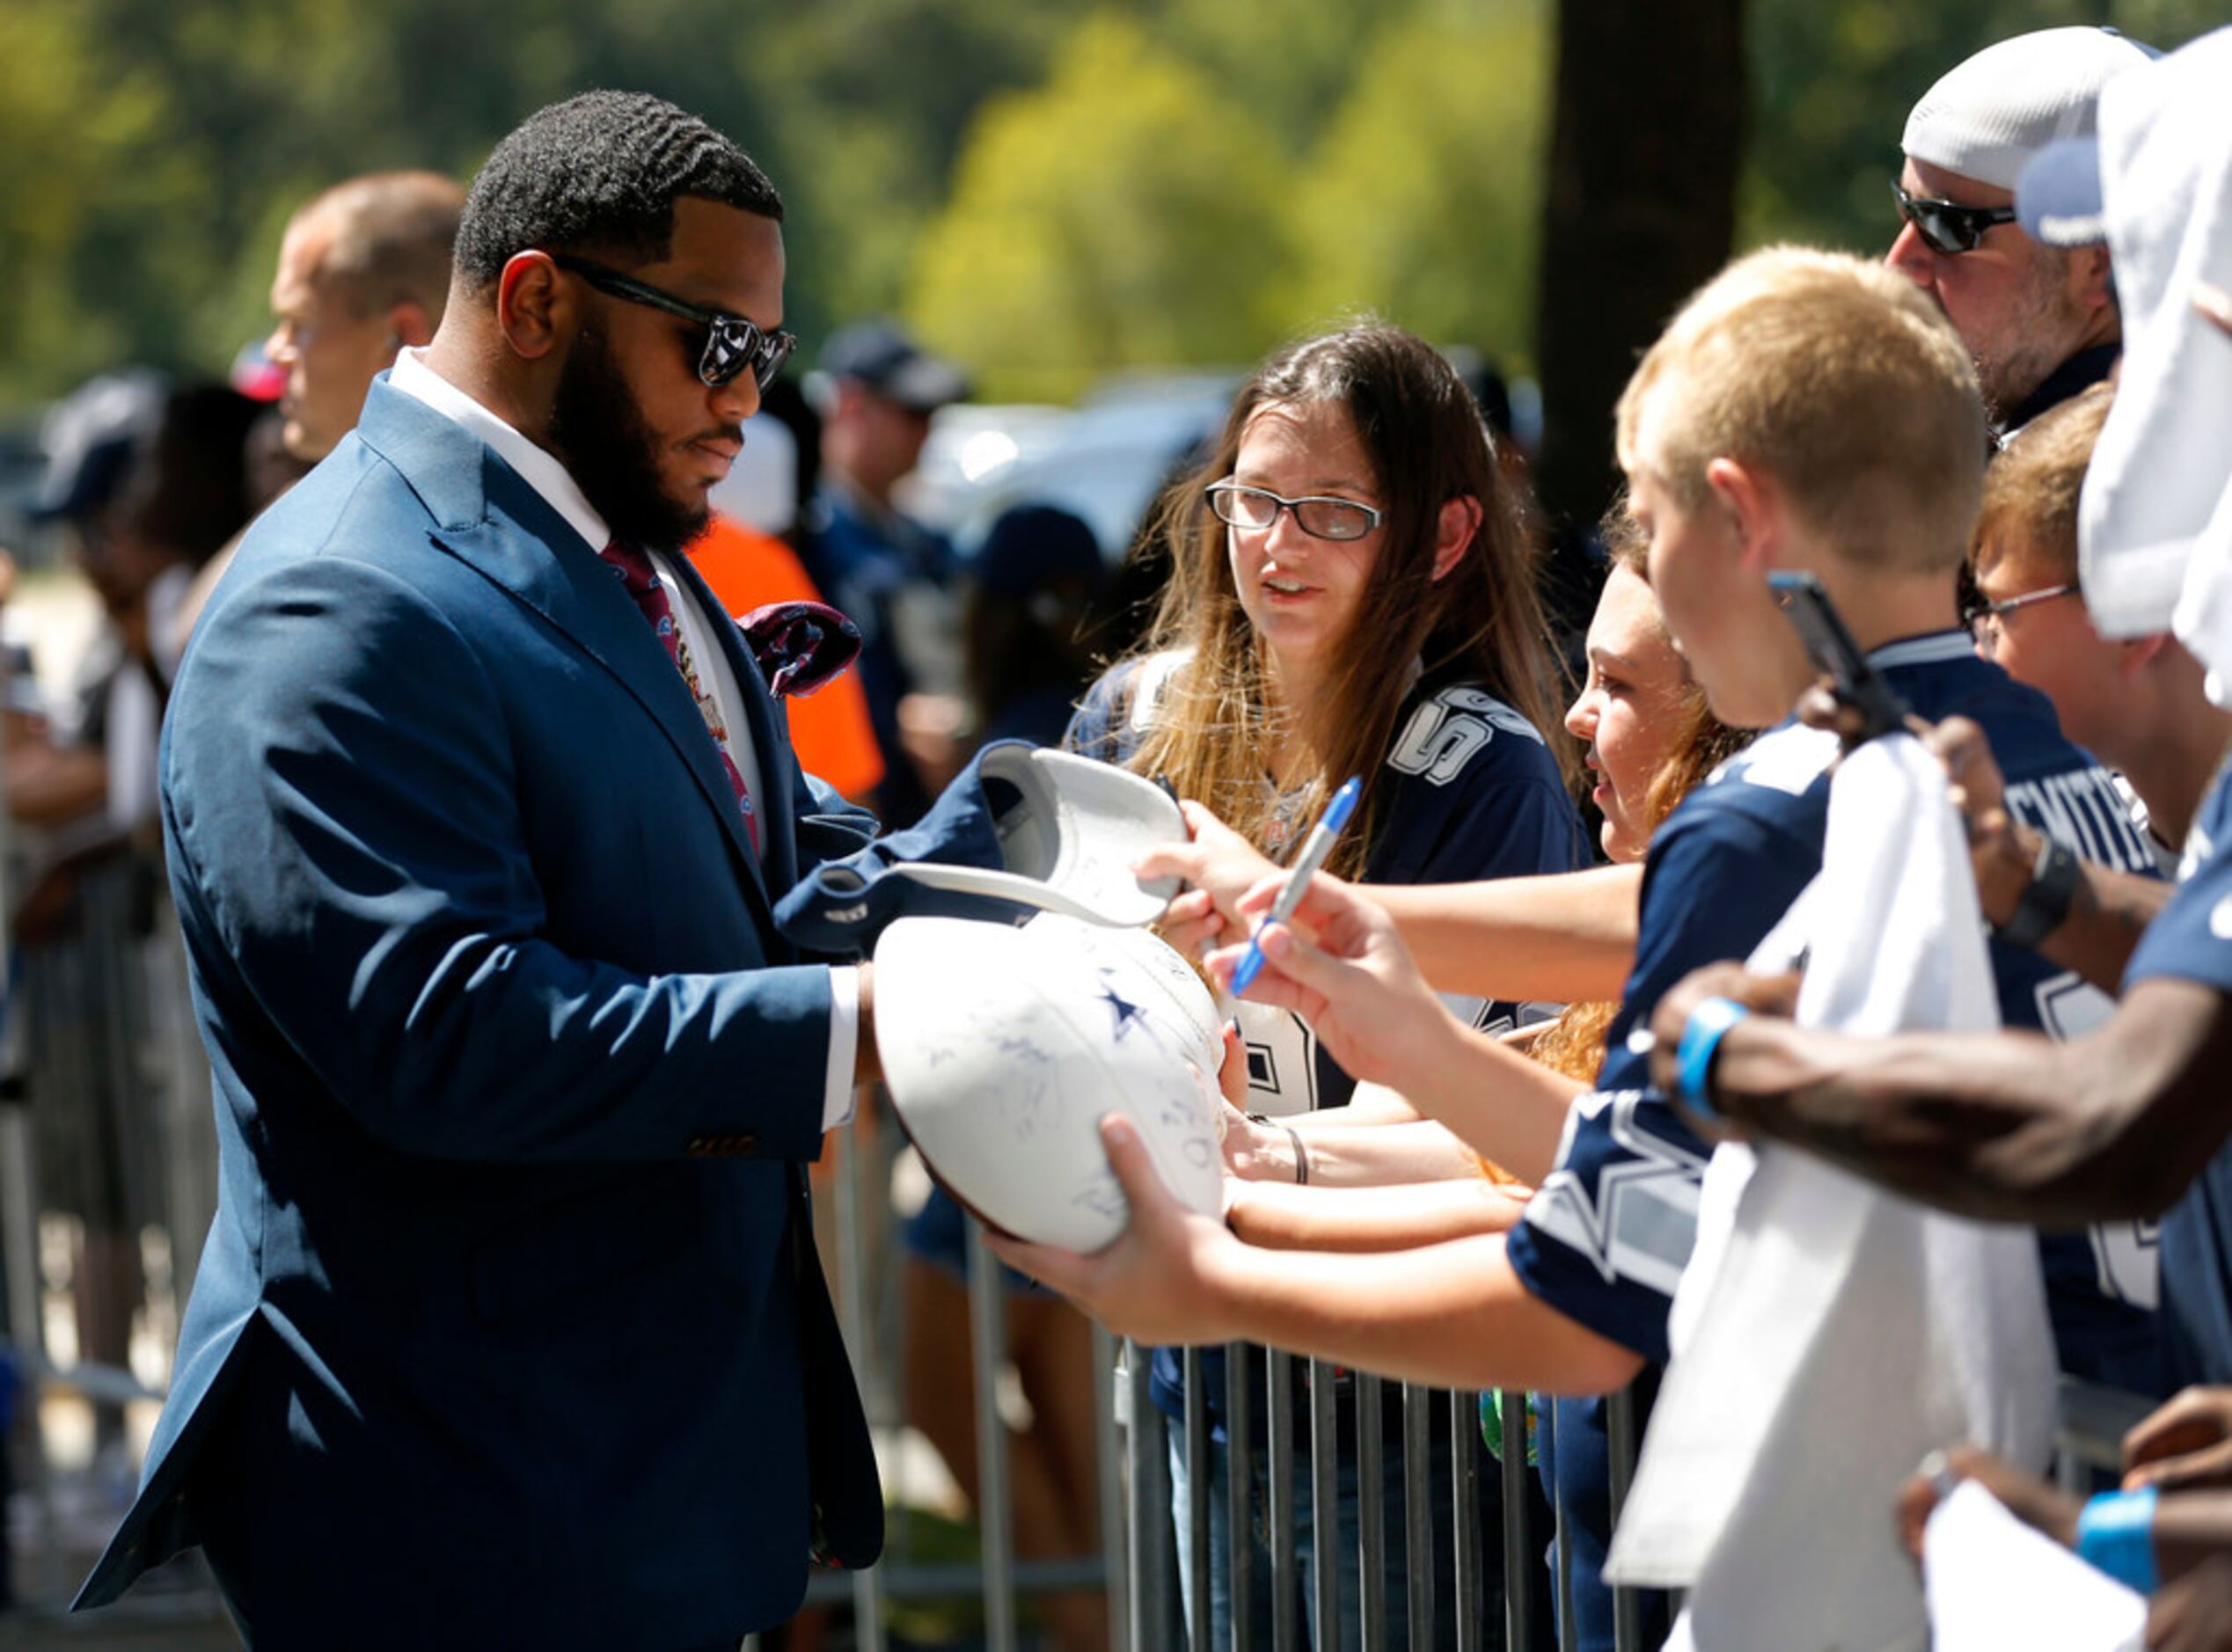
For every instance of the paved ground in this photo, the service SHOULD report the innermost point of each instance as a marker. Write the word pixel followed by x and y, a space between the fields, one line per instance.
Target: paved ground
pixel 175 1612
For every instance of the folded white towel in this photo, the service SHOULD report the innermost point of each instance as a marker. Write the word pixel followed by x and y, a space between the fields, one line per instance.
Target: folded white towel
pixel 1827 1334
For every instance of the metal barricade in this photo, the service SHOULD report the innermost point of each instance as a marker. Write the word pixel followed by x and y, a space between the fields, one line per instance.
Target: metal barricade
pixel 1131 1519
pixel 107 1186
pixel 2092 1424
pixel 1303 1451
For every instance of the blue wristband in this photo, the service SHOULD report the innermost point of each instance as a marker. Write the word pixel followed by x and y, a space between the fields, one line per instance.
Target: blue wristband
pixel 2116 1535
pixel 1708 1024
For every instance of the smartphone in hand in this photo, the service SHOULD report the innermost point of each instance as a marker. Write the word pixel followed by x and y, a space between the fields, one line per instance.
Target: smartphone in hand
pixel 1831 648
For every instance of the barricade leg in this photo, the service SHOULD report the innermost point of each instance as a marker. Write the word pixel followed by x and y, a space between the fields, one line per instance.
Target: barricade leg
pixel 1418 1512
pixel 1151 1607
pixel 1619 1428
pixel 1521 1557
pixel 1240 1432
pixel 1199 1564
pixel 1569 1632
pixel 1325 1506
pixel 1371 1515
pixel 1286 1591
pixel 851 1299
pixel 1465 1520
pixel 1108 1447
pixel 995 1507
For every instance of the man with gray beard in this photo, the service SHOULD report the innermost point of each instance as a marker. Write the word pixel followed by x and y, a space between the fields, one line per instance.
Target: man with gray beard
pixel 2040 321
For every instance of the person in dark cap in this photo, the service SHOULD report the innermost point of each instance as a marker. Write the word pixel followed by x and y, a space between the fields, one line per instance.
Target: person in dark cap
pixel 148 481
pixel 876 390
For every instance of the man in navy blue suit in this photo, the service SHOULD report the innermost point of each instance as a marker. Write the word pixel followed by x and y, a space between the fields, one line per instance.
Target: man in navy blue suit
pixel 510 1329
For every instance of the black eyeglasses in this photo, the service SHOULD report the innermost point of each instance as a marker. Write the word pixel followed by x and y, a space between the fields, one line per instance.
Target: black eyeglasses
pixel 1321 516
pixel 1947 229
pixel 732 342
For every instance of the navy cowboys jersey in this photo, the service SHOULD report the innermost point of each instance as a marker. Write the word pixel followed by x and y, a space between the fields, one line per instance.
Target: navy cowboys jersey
pixel 2193 938
pixel 1476 794
pixel 1607 1237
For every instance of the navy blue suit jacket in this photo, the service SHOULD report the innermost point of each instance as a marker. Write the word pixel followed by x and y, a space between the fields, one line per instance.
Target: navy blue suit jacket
pixel 509 1330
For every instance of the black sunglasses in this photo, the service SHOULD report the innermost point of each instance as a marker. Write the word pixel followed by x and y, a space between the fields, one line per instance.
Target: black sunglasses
pixel 1946 229
pixel 732 342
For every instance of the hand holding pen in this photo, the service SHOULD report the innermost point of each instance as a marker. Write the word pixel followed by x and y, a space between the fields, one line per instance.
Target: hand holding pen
pixel 1345 971
pixel 1218 867
pixel 1315 848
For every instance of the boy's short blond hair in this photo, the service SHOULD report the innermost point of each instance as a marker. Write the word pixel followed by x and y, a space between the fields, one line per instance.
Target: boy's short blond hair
pixel 2030 492
pixel 1839 379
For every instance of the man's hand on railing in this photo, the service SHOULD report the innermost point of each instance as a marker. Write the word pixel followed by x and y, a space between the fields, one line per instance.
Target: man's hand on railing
pixel 2185 1445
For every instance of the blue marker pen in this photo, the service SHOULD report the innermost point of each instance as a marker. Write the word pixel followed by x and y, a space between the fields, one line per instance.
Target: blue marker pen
pixel 1319 846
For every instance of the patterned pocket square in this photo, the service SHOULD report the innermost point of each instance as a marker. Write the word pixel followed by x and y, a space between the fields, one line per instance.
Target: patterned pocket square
pixel 800 647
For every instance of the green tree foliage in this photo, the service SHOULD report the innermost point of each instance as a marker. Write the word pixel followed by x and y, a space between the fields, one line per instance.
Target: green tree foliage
pixel 154 148
pixel 1125 215
pixel 1289 62
pixel 75 134
pixel 869 102
pixel 978 161
pixel 1420 199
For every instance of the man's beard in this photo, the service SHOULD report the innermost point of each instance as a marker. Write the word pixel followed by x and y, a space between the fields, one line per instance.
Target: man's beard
pixel 2037 327
pixel 598 429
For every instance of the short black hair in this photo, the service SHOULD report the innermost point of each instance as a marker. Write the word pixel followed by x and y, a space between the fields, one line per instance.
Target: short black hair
pixel 600 172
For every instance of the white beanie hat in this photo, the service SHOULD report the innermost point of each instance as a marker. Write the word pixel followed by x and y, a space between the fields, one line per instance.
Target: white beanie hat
pixel 1989 115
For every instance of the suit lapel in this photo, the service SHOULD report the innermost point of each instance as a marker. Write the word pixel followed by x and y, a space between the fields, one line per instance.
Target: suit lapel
pixel 490 519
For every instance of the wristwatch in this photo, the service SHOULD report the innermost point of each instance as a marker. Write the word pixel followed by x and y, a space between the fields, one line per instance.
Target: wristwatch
pixel 2044 902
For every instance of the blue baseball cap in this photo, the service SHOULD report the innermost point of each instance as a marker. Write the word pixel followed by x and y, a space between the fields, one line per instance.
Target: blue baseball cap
pixel 2058 200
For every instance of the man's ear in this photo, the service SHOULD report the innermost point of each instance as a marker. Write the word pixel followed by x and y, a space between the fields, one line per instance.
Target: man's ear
pixel 2135 654
pixel 535 310
pixel 1755 511
pixel 409 324
pixel 2090 283
pixel 1458 526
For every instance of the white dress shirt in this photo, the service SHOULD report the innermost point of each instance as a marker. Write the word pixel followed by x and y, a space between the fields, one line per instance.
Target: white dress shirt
pixel 541 471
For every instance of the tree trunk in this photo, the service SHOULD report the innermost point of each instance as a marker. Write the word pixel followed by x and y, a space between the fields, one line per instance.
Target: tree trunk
pixel 1640 210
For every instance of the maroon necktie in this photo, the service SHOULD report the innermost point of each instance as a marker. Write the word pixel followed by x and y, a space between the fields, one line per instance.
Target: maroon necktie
pixel 632 565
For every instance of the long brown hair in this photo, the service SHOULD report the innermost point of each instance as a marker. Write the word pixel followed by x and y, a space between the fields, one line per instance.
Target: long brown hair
pixel 1481 622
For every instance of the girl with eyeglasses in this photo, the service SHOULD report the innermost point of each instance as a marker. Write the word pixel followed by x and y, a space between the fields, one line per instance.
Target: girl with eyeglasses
pixel 1352 593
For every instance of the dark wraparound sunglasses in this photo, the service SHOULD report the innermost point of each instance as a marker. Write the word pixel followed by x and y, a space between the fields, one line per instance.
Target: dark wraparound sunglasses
pixel 1947 229
pixel 732 342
